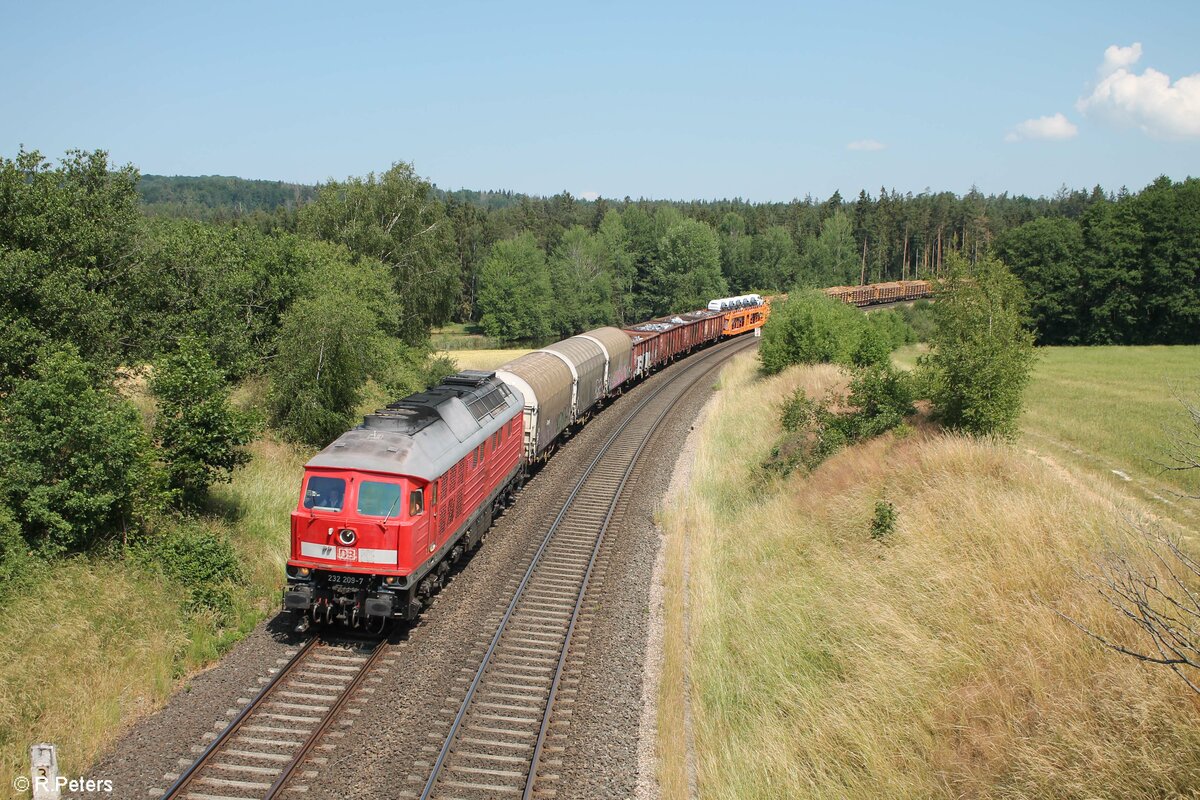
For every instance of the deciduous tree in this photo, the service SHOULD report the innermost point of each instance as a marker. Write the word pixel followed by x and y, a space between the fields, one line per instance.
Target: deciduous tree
pixel 982 349
pixel 514 290
pixel 689 266
pixel 200 435
pixel 76 466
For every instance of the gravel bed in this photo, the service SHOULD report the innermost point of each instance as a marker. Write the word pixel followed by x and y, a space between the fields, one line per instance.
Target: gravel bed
pixel 602 747
pixel 376 757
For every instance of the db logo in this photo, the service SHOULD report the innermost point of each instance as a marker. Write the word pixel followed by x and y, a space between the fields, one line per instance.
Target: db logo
pixel 347 554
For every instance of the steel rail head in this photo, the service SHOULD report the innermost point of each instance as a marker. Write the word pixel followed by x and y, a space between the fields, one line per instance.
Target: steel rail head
pixel 182 781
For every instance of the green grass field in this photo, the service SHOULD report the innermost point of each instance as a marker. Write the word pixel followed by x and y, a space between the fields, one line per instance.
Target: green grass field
pixel 460 336
pixel 1115 409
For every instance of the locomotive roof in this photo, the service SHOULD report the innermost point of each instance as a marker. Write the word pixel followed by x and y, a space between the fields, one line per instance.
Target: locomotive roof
pixel 425 434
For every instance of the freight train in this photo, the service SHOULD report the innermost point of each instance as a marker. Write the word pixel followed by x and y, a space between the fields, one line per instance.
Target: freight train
pixel 874 293
pixel 387 508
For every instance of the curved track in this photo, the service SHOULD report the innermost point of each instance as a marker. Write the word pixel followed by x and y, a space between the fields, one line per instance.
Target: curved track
pixel 495 743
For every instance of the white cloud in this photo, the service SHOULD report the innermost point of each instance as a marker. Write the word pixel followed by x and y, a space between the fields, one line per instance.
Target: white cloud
pixel 1149 101
pixel 1117 57
pixel 589 195
pixel 866 144
pixel 1055 127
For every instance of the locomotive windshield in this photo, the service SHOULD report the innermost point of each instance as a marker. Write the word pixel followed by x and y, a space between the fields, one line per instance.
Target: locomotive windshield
pixel 377 499
pixel 324 493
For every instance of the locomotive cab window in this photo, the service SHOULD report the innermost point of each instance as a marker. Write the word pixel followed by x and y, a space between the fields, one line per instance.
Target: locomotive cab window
pixel 325 494
pixel 376 499
pixel 416 503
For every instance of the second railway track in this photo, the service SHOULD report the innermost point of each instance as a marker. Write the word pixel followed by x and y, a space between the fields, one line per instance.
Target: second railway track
pixel 495 743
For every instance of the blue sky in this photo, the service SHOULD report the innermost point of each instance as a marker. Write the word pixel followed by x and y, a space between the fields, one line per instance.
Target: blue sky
pixel 766 101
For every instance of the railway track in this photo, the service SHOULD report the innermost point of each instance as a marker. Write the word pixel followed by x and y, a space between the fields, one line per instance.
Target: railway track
pixel 262 747
pixel 496 741
pixel 500 729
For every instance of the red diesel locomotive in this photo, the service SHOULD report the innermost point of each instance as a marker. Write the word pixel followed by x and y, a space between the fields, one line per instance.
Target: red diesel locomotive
pixel 393 503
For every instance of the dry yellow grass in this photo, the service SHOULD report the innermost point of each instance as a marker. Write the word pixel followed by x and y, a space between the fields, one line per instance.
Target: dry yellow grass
pixel 482 359
pixel 96 646
pixel 823 663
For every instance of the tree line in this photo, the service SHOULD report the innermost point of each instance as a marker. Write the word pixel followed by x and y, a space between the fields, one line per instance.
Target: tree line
pixel 1100 267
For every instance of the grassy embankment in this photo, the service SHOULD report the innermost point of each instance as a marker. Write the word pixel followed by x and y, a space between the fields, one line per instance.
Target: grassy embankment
pixel 98 641
pixel 1109 411
pixel 823 663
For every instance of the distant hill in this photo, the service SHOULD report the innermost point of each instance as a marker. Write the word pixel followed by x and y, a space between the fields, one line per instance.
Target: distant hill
pixel 207 196
pixel 221 196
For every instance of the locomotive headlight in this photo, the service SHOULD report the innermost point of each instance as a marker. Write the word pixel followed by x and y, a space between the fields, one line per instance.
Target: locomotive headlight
pixel 303 572
pixel 390 579
pixel 347 536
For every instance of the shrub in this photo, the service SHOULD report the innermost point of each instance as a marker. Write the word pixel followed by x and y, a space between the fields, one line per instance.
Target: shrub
pixel 884 521
pixel 810 328
pixel 75 463
pixel 202 561
pixel 982 354
pixel 874 346
pixel 812 434
pixel 919 319
pixel 882 397
pixel 199 432
pixel 15 556
pixel 893 327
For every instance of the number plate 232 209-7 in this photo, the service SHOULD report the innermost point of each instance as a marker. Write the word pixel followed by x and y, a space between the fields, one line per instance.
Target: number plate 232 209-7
pixel 346 580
